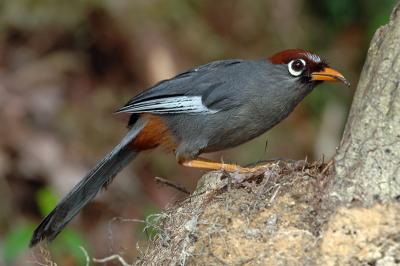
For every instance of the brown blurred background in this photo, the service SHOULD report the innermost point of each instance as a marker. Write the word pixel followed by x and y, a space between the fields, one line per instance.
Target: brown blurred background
pixel 66 65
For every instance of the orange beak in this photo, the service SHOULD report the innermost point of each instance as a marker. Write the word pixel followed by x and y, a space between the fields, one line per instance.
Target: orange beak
pixel 329 74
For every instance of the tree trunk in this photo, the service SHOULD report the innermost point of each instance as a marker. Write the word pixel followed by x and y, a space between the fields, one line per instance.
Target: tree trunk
pixel 368 161
pixel 298 213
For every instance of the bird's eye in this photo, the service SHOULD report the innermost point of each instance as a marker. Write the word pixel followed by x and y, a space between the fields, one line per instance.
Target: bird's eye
pixel 296 67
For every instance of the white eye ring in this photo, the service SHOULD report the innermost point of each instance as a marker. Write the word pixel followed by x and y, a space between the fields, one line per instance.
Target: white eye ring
pixel 295 70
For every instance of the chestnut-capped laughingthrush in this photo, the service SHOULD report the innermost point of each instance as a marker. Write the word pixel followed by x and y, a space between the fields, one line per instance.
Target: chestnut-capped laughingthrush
pixel 208 108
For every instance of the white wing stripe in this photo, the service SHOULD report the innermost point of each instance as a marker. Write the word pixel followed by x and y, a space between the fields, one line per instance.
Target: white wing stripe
pixel 177 104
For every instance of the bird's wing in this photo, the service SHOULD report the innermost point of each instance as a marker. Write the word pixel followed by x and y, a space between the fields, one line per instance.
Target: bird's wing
pixel 185 93
pixel 169 105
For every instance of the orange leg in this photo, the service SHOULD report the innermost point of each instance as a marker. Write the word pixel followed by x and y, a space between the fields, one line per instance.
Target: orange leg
pixel 211 165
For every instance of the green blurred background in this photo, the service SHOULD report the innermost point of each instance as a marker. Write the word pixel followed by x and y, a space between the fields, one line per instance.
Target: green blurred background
pixel 66 65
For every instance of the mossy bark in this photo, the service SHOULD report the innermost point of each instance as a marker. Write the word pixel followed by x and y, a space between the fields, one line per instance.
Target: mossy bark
pixel 297 213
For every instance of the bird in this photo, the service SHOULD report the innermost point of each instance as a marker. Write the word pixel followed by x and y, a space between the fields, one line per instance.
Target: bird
pixel 208 108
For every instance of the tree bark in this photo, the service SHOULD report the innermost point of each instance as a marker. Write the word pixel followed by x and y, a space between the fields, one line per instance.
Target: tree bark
pixel 299 213
pixel 368 161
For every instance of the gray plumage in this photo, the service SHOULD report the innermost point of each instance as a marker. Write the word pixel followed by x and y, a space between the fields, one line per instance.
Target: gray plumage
pixel 83 192
pixel 209 108
pixel 248 97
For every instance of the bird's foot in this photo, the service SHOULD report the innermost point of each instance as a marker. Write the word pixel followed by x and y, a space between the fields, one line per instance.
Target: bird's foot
pixel 227 167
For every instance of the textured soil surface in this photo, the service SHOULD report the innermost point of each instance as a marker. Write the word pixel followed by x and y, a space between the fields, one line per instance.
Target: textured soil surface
pixel 277 217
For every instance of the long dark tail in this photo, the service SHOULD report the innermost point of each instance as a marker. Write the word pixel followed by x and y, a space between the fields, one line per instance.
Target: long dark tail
pixel 83 192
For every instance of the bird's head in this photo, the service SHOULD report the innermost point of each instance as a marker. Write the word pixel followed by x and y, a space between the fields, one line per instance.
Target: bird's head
pixel 306 67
